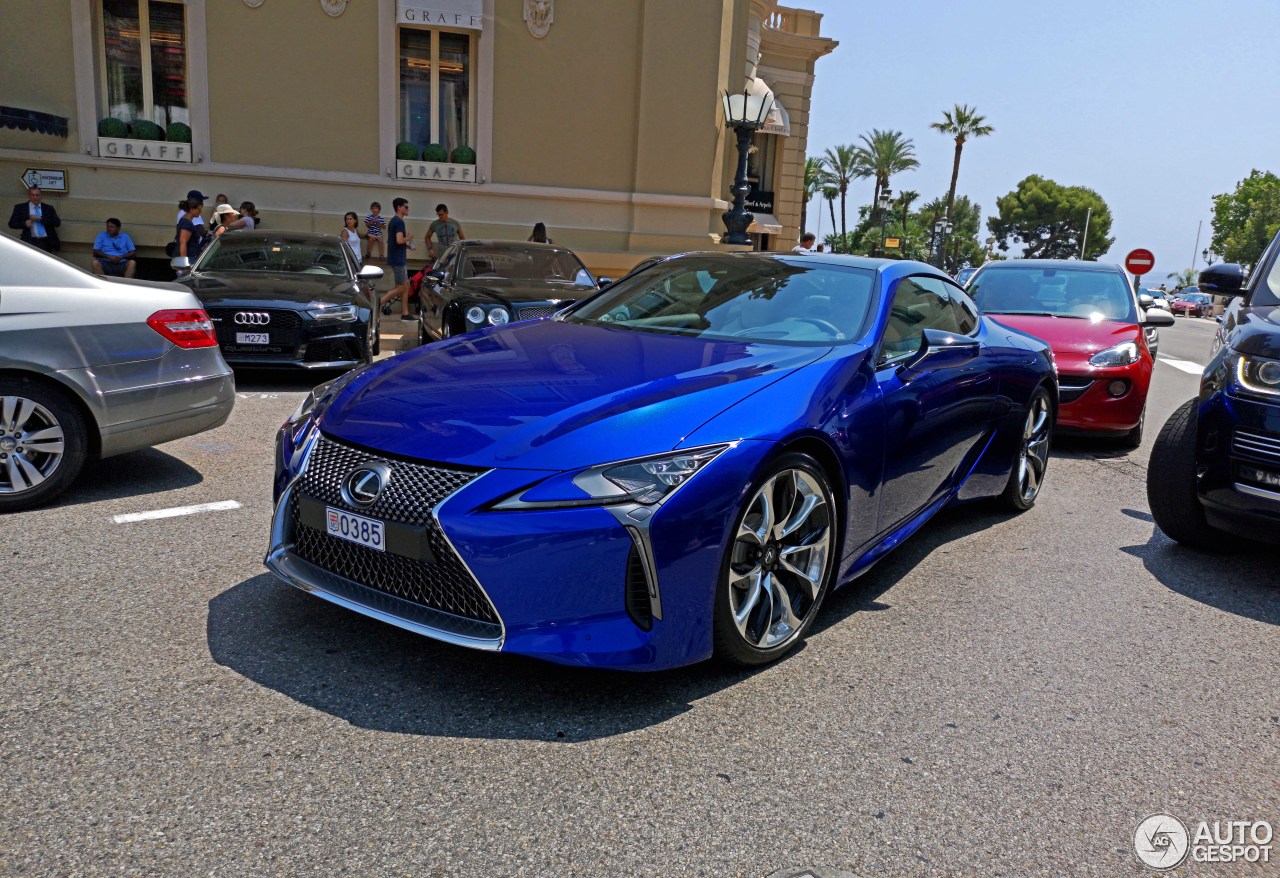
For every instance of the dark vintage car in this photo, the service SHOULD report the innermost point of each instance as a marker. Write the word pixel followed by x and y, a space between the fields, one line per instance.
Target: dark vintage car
pixel 475 284
pixel 287 299
pixel 1214 476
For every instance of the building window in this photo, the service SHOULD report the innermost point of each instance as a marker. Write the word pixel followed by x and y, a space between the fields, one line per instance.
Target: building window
pixel 436 88
pixel 144 61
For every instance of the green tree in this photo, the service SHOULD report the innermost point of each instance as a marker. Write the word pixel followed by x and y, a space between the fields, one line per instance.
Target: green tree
pixel 1184 278
pixel 1245 221
pixel 964 246
pixel 905 199
pixel 812 183
pixel 1048 220
pixel 829 194
pixel 842 169
pixel 960 124
pixel 883 154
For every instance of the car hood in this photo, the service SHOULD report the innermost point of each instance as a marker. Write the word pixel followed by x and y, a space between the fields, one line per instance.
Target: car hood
pixel 1073 339
pixel 516 292
pixel 1257 332
pixel 236 288
pixel 550 395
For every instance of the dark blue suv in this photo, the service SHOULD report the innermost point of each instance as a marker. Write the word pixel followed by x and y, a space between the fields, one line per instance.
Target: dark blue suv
pixel 1214 474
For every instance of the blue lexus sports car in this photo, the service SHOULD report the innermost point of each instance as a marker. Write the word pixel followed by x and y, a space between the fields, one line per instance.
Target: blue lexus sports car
pixel 682 465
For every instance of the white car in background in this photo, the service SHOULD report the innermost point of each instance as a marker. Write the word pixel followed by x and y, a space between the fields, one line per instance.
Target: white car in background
pixel 92 367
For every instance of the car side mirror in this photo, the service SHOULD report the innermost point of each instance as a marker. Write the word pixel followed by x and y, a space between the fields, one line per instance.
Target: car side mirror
pixel 436 274
pixel 1223 279
pixel 369 272
pixel 603 282
pixel 1157 317
pixel 180 263
pixel 939 350
pixel 1146 301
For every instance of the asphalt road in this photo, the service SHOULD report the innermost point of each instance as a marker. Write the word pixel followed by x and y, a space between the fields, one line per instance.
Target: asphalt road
pixel 1003 696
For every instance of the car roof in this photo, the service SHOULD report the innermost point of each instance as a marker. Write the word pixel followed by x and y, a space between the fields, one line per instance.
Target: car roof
pixel 500 243
pixel 1077 264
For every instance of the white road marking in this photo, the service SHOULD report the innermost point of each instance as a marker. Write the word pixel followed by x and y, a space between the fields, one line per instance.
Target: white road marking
pixel 175 511
pixel 1184 365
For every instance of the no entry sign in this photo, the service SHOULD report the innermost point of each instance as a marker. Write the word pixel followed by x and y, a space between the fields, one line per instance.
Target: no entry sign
pixel 1140 261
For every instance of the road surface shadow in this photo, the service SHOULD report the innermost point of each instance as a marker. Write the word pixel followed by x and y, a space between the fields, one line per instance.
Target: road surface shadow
pixel 1242 581
pixel 254 380
pixel 149 471
pixel 1080 447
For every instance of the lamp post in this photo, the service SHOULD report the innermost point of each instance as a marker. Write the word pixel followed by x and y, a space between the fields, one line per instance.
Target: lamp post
pixel 883 203
pixel 941 229
pixel 745 113
pixel 1208 257
pixel 991 247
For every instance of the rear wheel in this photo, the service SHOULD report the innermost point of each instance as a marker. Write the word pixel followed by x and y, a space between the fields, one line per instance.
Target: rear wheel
pixel 42 444
pixel 780 564
pixel 1027 476
pixel 1171 484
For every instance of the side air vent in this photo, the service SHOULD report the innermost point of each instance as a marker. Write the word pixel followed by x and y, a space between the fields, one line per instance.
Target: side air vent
pixel 639 607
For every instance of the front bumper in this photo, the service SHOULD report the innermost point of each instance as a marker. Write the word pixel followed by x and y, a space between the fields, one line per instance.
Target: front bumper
pixel 1238 453
pixel 1086 405
pixel 557 579
pixel 296 340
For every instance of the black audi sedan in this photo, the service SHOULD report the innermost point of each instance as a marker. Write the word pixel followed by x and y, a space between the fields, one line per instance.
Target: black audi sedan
pixel 287 299
pixel 475 284
pixel 1214 476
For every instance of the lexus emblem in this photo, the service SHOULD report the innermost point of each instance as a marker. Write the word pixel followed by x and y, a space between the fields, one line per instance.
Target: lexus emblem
pixel 252 318
pixel 364 484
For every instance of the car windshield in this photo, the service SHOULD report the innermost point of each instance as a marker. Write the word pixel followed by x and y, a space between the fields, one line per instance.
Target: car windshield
pixel 234 252
pixel 778 300
pixel 1269 293
pixel 524 264
pixel 1054 292
pixel 1194 298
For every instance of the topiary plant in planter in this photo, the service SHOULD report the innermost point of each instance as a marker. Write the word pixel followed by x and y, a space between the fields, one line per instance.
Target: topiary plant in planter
pixel 406 151
pixel 178 132
pixel 464 155
pixel 144 130
pixel 434 152
pixel 113 127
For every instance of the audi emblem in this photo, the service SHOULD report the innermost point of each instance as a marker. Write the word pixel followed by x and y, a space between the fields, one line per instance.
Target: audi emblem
pixel 252 318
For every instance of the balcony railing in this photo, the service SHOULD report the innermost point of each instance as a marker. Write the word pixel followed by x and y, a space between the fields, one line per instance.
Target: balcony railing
pixel 801 22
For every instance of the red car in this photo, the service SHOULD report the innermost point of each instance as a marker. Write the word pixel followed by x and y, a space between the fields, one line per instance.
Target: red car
pixel 1192 305
pixel 1090 317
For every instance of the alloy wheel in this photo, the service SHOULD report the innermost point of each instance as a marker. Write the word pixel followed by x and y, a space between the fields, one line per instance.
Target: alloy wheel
pixel 32 444
pixel 1034 458
pixel 780 559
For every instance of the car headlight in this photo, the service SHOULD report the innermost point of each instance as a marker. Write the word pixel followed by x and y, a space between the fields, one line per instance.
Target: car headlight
pixel 338 313
pixel 1121 354
pixel 499 316
pixel 1258 374
pixel 475 314
pixel 647 480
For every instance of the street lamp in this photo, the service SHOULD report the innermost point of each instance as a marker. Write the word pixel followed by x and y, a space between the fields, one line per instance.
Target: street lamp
pixel 884 202
pixel 1208 257
pixel 941 229
pixel 745 114
pixel 991 247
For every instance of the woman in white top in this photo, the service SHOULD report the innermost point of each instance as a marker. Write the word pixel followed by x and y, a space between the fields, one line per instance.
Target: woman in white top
pixel 351 234
pixel 229 219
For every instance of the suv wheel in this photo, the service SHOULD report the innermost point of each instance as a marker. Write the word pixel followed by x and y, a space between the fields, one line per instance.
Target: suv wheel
pixel 1171 484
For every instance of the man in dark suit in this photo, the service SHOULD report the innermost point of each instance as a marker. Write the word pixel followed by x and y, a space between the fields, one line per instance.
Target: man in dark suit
pixel 39 222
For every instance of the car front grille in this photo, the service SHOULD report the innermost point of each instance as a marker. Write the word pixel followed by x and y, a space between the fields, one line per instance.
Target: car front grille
pixel 1071 388
pixel 411 493
pixel 1260 446
pixel 533 312
pixel 284 327
pixel 331 350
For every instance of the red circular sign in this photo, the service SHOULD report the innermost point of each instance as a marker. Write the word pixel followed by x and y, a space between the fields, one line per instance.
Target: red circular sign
pixel 1140 261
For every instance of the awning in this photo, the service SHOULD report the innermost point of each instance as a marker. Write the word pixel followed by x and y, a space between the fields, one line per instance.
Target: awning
pixel 765 224
pixel 33 120
pixel 778 121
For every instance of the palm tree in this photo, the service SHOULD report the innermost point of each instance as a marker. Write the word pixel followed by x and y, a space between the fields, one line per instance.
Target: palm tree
pixel 883 154
pixel 842 168
pixel 830 193
pixel 906 198
pixel 813 169
pixel 934 210
pixel 962 122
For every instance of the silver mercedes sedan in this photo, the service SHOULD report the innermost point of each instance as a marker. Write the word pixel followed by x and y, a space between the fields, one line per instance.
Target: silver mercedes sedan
pixel 92 367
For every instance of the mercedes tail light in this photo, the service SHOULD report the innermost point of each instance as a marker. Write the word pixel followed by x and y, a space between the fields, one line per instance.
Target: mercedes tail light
pixel 186 329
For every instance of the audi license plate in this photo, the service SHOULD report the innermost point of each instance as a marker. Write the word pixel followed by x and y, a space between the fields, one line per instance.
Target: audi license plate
pixel 354 528
pixel 253 338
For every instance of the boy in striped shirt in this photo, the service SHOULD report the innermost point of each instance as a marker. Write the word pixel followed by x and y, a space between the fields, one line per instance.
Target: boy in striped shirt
pixel 375 225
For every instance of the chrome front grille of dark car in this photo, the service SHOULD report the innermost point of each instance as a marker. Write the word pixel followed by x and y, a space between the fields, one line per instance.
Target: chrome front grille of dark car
pixel 411 494
pixel 284 327
pixel 533 312
pixel 1262 446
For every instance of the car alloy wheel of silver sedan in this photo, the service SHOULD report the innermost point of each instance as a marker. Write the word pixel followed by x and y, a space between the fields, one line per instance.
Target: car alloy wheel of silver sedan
pixel 31 444
pixel 780 559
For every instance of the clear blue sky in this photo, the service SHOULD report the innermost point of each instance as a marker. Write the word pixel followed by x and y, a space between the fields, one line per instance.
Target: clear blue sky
pixel 1156 105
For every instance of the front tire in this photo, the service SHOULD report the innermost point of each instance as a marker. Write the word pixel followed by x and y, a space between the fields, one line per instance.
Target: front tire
pixel 1171 484
pixel 1133 439
pixel 1029 467
pixel 780 563
pixel 43 444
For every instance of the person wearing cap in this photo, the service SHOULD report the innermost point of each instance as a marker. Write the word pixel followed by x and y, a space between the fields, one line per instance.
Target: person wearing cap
pixel 193 195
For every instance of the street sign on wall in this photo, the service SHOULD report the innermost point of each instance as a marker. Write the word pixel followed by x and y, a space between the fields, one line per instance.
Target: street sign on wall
pixel 48 179
pixel 892 243
pixel 1140 261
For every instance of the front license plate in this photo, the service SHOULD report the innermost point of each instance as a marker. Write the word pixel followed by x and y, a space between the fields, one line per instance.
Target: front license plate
pixel 253 338
pixel 354 528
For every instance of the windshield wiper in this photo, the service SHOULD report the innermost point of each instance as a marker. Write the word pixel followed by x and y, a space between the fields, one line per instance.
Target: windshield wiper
pixel 1024 313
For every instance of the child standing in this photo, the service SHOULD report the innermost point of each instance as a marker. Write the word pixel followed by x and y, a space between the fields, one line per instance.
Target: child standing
pixel 374 226
pixel 351 234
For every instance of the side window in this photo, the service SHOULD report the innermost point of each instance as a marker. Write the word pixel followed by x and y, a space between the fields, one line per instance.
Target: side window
pixel 446 260
pixel 966 311
pixel 919 303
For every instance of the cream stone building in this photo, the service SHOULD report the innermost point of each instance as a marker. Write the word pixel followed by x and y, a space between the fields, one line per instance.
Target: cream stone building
pixel 600 118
